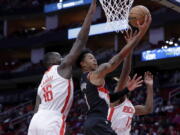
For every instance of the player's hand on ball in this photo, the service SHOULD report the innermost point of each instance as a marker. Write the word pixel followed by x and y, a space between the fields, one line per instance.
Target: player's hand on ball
pixel 134 83
pixel 144 27
pixel 131 36
pixel 148 78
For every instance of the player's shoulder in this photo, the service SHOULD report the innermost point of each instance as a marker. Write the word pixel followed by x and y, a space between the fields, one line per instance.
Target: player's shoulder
pixel 52 68
pixel 128 101
pixel 51 73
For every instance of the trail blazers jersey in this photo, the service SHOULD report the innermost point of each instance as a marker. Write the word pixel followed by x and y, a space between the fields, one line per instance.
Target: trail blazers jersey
pixel 97 98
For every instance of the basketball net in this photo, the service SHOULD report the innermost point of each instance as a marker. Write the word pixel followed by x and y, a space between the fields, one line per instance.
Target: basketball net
pixel 117 13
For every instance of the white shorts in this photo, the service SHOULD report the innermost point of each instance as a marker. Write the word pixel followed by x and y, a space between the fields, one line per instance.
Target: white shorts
pixel 46 122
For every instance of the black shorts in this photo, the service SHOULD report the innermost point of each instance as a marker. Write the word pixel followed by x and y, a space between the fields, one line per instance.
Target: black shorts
pixel 98 126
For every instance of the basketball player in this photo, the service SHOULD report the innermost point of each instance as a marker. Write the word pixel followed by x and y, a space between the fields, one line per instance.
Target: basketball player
pixel 121 112
pixel 55 92
pixel 92 84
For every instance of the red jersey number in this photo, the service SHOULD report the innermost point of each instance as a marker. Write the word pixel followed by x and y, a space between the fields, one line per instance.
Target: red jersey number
pixel 128 124
pixel 48 95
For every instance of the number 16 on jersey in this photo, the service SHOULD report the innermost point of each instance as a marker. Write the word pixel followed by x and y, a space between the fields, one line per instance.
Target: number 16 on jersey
pixel 48 95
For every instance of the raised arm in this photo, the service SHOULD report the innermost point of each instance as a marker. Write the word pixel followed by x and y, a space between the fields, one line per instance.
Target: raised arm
pixel 148 107
pixel 122 82
pixel 131 85
pixel 118 58
pixel 82 38
pixel 125 73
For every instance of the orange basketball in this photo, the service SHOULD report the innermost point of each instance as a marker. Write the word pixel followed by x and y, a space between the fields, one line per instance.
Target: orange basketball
pixel 138 13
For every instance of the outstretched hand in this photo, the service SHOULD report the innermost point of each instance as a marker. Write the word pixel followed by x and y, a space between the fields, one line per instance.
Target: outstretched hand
pixel 144 27
pixel 131 36
pixel 148 78
pixel 134 83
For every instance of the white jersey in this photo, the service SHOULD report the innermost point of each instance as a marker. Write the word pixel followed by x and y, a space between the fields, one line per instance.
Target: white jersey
pixel 56 92
pixel 121 117
pixel 56 95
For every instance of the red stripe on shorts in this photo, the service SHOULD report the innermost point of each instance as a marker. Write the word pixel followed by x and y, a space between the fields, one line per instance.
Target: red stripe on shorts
pixel 63 126
pixel 67 98
pixel 111 113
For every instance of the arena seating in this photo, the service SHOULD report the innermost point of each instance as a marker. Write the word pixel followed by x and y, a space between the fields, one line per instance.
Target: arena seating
pixel 25 28
pixel 163 121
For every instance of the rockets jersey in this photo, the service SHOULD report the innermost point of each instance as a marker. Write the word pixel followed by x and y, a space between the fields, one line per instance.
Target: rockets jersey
pixel 56 92
pixel 97 98
pixel 121 117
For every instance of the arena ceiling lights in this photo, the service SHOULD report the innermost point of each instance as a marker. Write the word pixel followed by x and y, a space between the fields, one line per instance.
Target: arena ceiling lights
pixel 64 4
pixel 96 29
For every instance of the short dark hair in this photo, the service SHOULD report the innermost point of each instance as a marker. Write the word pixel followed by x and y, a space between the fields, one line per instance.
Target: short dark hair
pixel 51 58
pixel 81 57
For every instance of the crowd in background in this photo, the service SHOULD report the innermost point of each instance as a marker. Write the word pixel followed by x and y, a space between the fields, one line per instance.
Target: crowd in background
pixel 16 108
pixel 14 120
pixel 165 119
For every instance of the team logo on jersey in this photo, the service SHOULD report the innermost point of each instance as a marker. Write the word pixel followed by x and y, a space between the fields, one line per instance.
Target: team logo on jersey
pixel 83 86
pixel 104 94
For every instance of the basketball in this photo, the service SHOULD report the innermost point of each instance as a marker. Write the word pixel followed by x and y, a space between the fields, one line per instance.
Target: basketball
pixel 138 13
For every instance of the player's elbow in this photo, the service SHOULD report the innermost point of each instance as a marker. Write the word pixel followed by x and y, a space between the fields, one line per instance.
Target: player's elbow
pixel 149 110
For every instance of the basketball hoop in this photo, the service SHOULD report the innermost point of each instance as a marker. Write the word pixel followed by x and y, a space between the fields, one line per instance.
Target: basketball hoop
pixel 117 13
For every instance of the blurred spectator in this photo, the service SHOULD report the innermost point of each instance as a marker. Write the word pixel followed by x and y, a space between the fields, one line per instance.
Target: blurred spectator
pixel 164 120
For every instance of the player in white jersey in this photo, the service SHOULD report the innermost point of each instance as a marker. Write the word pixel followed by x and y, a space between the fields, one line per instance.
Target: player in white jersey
pixel 55 92
pixel 121 112
pixel 121 117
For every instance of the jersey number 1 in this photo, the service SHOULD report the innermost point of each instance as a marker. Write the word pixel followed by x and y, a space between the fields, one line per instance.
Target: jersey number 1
pixel 48 95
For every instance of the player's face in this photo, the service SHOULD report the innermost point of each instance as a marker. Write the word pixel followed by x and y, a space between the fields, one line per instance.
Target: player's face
pixel 89 62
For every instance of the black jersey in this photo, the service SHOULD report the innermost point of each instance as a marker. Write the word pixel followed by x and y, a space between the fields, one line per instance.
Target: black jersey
pixel 97 98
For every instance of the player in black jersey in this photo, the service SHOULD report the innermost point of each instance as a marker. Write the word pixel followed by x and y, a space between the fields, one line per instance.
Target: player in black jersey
pixel 97 100
pixel 92 84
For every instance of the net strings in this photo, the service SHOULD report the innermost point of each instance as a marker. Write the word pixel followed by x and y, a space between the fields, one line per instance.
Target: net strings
pixel 117 13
